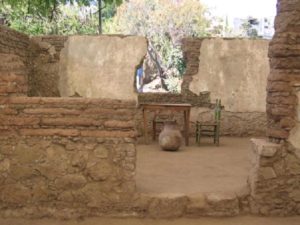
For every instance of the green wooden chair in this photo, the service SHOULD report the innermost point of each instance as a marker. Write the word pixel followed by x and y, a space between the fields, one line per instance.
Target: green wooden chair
pixel 210 129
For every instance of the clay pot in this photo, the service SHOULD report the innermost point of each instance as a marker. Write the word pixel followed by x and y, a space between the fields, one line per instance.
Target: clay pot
pixel 170 138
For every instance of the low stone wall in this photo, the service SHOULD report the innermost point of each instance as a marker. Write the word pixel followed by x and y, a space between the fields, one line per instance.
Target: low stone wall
pixel 14 62
pixel 275 179
pixel 66 157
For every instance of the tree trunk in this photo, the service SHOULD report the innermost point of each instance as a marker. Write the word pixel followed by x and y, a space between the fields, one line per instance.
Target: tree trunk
pixel 100 15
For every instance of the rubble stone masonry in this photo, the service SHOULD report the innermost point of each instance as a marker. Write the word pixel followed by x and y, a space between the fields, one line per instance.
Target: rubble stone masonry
pixel 14 62
pixel 284 53
pixel 66 156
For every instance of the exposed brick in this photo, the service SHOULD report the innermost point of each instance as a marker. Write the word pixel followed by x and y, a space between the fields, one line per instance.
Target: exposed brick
pixel 70 122
pixel 52 111
pixel 18 121
pixel 108 134
pixel 50 132
pixel 119 124
pixel 289 100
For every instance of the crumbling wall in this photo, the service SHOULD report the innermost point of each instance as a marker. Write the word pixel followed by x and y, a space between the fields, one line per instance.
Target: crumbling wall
pixel 284 55
pixel 14 62
pixel 275 178
pixel 45 57
pixel 234 70
pixel 101 66
pixel 66 156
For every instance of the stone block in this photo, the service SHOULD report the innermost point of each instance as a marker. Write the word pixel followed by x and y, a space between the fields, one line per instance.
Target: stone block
pixel 266 173
pixel 292 164
pixel 196 204
pixel 167 206
pixel 70 181
pixel 295 195
pixel 101 152
pixel 100 171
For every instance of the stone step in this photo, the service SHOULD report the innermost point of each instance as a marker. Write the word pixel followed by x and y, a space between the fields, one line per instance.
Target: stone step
pixel 168 205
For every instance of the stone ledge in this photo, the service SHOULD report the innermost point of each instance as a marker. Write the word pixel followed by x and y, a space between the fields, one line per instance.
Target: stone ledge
pixel 264 148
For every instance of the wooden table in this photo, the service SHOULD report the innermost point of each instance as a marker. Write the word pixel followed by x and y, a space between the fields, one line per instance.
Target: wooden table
pixel 185 108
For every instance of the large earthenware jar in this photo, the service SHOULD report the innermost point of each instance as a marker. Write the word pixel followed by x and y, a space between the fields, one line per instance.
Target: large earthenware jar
pixel 170 137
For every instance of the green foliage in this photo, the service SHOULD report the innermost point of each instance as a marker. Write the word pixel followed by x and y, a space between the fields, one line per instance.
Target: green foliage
pixel 248 27
pixel 164 23
pixel 56 16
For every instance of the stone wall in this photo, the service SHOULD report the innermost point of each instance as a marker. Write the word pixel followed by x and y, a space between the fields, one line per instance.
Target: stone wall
pixel 13 62
pixel 66 157
pixel 45 57
pixel 284 53
pixel 275 179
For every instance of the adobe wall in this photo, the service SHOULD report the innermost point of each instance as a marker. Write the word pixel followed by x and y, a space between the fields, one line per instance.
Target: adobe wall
pixel 101 66
pixel 234 70
pixel 14 62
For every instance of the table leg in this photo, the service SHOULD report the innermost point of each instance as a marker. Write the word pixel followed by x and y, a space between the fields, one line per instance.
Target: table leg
pixel 187 127
pixel 145 126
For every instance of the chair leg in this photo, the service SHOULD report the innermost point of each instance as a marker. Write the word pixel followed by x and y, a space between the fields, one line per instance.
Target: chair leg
pixel 215 133
pixel 218 135
pixel 197 132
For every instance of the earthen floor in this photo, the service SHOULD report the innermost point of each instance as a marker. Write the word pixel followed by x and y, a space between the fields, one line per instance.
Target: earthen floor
pixel 194 169
pixel 246 220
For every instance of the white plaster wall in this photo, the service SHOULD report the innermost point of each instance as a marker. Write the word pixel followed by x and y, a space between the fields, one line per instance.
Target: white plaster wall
pixel 234 70
pixel 101 66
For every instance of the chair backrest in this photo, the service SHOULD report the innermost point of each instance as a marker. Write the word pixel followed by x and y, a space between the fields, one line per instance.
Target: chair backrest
pixel 218 110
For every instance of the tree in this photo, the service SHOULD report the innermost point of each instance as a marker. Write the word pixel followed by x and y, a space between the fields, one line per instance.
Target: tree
pixel 249 27
pixel 49 9
pixel 164 23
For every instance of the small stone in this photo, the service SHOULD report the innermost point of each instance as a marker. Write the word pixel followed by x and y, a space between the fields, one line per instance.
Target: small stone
pixel 101 152
pixel 295 195
pixel 4 165
pixel 266 173
pixel 219 197
pixel 71 181
pixel 268 151
pixel 100 171
pixel 197 202
pixel 292 164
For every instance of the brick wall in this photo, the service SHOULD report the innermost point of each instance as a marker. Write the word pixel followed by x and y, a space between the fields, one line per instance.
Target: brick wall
pixel 45 56
pixel 284 56
pixel 67 117
pixel 14 62
pixel 66 157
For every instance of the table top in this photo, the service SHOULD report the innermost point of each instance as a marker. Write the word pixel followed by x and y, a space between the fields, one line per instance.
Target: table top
pixel 166 104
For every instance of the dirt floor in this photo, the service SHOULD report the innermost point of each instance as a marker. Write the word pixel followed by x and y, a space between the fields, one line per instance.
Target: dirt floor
pixel 248 220
pixel 194 169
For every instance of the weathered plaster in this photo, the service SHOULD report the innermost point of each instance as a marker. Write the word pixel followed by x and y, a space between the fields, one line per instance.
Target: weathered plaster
pixel 234 70
pixel 101 66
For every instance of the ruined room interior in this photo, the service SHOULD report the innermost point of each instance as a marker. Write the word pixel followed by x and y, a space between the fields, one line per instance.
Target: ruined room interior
pixel 72 137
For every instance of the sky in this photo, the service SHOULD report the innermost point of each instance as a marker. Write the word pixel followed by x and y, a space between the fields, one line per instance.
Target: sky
pixel 242 8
